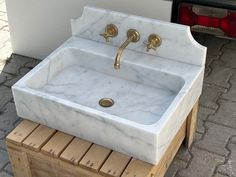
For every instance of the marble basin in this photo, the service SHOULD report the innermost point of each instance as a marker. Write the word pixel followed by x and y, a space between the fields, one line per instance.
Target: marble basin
pixel 141 94
pixel 153 91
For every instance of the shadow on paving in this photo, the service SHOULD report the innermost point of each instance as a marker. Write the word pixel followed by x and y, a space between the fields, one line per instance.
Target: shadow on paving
pixel 11 70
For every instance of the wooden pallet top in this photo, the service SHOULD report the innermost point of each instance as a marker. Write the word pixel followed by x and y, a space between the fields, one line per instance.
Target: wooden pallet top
pixel 84 154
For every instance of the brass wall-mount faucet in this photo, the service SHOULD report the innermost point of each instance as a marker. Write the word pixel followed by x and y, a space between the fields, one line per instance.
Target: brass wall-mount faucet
pixel 110 31
pixel 132 36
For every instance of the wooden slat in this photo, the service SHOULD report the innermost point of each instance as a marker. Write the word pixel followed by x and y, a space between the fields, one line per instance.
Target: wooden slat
pixel 95 157
pixel 56 144
pixel 115 164
pixel 191 125
pixel 21 132
pixel 38 137
pixel 75 151
pixel 19 163
pixel 139 168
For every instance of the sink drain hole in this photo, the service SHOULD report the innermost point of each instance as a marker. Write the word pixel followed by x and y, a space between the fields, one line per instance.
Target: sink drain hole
pixel 106 102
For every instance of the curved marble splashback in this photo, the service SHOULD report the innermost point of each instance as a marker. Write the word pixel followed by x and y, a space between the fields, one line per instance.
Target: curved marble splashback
pixel 177 41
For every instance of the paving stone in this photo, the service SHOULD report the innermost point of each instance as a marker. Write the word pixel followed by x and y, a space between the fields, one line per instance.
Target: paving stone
pixel 228 58
pixel 174 167
pixel 209 60
pixel 8 117
pixel 216 138
pixel 24 71
pixel 8 168
pixel 15 64
pixel 3 7
pixel 3 24
pixel 12 81
pixel 197 137
pixel 200 38
pixel 207 70
pixel 230 167
pixel 6 28
pixel 183 153
pixel 219 75
pixel 4 174
pixel 3 16
pixel 6 95
pixel 6 51
pixel 200 126
pixel 202 116
pixel 4 77
pixel 2 135
pixel 23 59
pixel 220 175
pixel 33 63
pixel 210 95
pixel 226 114
pixel 3 158
pixel 231 95
pixel 203 112
pixel 233 139
pixel 202 164
pixel 4 37
pixel 3 145
pixel 214 45
pixel 2 140
pixel 2 65
pixel 231 45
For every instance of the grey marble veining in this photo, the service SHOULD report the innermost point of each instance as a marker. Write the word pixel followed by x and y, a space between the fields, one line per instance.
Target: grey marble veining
pixel 177 41
pixel 133 101
pixel 153 93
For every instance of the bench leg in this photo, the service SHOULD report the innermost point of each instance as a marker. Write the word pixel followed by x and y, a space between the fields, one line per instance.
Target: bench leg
pixel 191 125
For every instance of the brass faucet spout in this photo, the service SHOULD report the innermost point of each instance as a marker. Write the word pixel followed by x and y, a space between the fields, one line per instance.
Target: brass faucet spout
pixel 132 36
pixel 120 52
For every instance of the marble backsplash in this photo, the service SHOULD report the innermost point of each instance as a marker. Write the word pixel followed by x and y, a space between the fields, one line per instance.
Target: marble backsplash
pixel 177 41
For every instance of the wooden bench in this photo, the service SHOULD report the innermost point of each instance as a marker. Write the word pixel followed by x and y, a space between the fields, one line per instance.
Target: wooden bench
pixel 39 151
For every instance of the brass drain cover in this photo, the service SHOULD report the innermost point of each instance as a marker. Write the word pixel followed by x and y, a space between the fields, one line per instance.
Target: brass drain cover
pixel 106 102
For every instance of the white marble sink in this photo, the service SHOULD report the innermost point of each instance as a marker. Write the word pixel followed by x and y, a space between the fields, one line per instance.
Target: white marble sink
pixel 153 92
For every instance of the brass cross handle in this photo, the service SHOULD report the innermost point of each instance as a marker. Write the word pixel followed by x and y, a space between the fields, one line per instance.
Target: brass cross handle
pixel 154 41
pixel 110 31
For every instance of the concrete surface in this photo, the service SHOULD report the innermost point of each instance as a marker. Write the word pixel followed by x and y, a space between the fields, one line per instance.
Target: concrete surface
pixel 213 153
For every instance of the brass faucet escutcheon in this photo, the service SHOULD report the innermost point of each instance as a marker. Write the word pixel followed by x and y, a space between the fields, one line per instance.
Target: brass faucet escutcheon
pixel 154 41
pixel 132 36
pixel 110 32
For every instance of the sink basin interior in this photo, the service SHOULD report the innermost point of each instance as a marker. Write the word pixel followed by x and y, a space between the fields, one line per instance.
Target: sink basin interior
pixel 84 79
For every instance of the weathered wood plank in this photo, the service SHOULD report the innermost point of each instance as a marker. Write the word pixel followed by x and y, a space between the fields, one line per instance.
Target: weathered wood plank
pixel 115 164
pixel 38 137
pixel 97 161
pixel 21 132
pixel 75 151
pixel 56 144
pixel 139 168
pixel 95 157
pixel 170 153
pixel 20 163
pixel 191 125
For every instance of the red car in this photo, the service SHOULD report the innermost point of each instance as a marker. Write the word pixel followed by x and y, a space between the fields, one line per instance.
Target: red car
pixel 217 17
